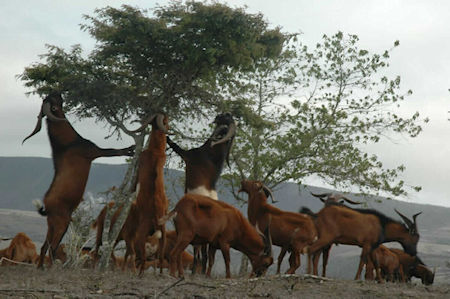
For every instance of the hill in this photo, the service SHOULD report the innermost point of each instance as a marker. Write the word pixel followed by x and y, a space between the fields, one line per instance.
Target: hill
pixel 23 179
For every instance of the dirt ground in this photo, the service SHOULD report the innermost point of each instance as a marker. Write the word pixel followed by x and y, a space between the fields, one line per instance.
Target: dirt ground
pixel 28 282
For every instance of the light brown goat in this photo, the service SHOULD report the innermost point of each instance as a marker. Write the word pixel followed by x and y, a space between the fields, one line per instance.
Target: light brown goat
pixel 291 231
pixel 21 249
pixel 202 220
pixel 72 158
pixel 151 202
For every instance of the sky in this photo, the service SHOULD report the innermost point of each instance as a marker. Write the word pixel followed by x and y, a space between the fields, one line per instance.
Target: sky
pixel 422 60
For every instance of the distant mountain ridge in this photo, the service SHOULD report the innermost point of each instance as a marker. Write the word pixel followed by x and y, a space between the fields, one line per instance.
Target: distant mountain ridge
pixel 25 178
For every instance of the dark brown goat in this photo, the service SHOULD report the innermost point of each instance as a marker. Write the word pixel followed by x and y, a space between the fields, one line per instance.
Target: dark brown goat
pixel 337 223
pixel 327 198
pixel 204 164
pixel 414 267
pixel 291 231
pixel 202 220
pixel 72 158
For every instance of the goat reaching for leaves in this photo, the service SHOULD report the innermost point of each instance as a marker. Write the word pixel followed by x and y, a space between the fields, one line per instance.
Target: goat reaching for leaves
pixel 72 157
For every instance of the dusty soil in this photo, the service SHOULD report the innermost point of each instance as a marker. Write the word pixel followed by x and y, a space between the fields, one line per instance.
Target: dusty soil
pixel 28 282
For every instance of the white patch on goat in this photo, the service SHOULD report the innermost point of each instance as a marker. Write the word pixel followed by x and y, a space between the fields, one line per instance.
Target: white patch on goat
pixel 203 191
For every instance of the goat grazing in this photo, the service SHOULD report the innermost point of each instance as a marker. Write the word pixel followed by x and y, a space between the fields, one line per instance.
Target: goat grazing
pixel 291 231
pixel 202 220
pixel 337 223
pixel 204 164
pixel 414 267
pixel 72 158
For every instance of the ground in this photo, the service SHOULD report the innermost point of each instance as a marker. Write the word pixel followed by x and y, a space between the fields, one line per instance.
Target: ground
pixel 28 282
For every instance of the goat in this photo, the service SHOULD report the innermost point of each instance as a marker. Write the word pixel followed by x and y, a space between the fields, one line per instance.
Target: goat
pixel 151 248
pixel 202 220
pixel 204 164
pixel 337 223
pixel 151 201
pixel 327 198
pixel 291 231
pixel 21 249
pixel 413 266
pixel 72 158
pixel 187 259
pixel 388 264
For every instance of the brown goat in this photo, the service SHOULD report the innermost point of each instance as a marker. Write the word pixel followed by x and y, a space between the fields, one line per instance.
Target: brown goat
pixel 21 249
pixel 291 231
pixel 414 267
pixel 337 223
pixel 388 264
pixel 202 220
pixel 151 202
pixel 327 198
pixel 204 164
pixel 72 158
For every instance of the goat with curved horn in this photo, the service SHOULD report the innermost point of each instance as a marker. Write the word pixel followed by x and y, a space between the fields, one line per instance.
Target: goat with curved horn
pixel 72 158
pixel 269 193
pixel 407 221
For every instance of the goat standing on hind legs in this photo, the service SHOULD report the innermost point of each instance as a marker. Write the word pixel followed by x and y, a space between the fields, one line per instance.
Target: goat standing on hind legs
pixel 72 157
pixel 151 201
pixel 204 165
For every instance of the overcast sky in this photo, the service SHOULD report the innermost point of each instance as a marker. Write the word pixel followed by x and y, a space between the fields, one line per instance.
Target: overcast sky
pixel 422 61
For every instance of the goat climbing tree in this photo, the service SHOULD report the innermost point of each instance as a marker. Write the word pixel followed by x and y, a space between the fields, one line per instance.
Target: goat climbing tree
pixel 168 61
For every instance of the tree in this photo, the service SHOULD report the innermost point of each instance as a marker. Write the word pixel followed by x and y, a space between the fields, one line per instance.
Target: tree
pixel 313 112
pixel 143 64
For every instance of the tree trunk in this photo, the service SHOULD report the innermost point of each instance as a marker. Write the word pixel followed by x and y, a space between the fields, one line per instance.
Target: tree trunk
pixel 125 195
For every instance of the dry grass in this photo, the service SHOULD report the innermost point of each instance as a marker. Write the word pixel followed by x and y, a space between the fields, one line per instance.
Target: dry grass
pixel 57 282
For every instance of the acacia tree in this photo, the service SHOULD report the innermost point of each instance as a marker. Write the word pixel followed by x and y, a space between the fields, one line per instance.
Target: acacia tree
pixel 312 113
pixel 166 62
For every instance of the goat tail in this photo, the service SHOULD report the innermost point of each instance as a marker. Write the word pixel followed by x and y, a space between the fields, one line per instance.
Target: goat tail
pixel 40 207
pixel 164 219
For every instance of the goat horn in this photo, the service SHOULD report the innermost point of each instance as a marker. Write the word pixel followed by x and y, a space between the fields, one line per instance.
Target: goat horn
pixel 407 221
pixel 48 112
pixel 320 195
pixel 269 193
pixel 230 134
pixel 37 128
pixel 144 124
pixel 340 196
pixel 415 215
pixel 160 123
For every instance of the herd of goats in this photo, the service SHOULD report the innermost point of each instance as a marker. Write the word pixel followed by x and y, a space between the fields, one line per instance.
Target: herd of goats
pixel 205 222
